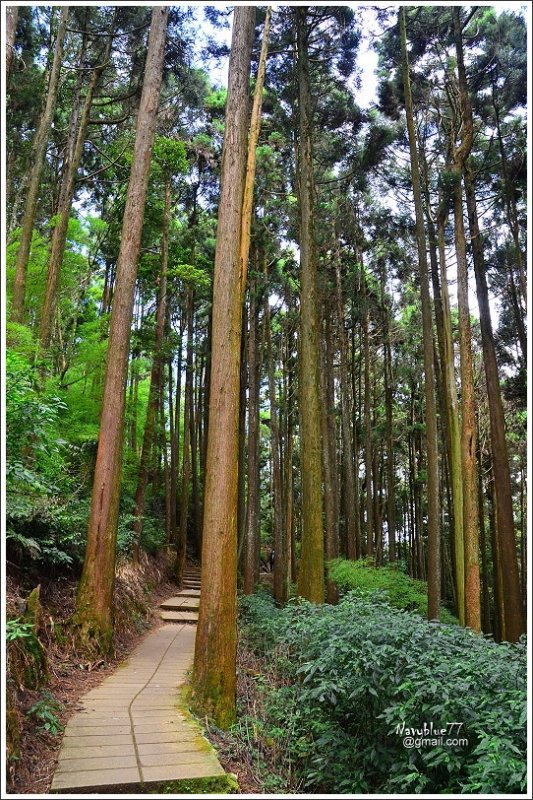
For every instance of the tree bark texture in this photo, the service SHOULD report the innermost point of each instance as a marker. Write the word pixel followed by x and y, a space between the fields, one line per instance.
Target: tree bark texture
pixel 37 161
pixel 12 13
pixel 311 575
pixel 512 625
pixel 434 575
pixel 68 184
pixel 215 653
pixel 95 591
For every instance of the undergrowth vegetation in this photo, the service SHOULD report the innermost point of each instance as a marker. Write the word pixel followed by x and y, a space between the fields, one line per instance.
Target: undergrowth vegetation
pixel 48 476
pixel 398 588
pixel 332 690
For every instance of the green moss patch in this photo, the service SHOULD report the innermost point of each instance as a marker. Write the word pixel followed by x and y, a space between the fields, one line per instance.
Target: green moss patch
pixel 221 784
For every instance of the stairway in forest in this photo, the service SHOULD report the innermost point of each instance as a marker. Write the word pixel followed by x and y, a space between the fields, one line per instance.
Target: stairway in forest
pixel 183 607
pixel 133 732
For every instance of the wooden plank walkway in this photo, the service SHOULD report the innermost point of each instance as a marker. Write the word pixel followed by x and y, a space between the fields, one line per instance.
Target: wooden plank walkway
pixel 131 733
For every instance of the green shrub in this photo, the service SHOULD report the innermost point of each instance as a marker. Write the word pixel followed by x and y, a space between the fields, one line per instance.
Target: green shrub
pixel 349 676
pixel 46 711
pixel 401 590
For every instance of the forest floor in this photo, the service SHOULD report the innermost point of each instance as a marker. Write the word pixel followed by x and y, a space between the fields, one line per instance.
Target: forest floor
pixel 138 592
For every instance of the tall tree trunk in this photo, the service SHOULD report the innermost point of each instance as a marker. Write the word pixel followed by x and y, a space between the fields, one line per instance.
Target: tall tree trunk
pixel 253 509
pixel 241 509
pixel 68 184
pixel 311 573
pixel 215 654
pixel 181 550
pixel 512 625
pixel 331 511
pixel 12 14
pixel 369 549
pixel 351 500
pixel 177 428
pixel 37 160
pixel 94 601
pixel 499 599
pixel 468 423
pixel 289 447
pixel 468 415
pixel 389 435
pixel 281 582
pixel 454 428
pixel 196 528
pixel 172 465
pixel 164 453
pixel 485 601
pixel 434 580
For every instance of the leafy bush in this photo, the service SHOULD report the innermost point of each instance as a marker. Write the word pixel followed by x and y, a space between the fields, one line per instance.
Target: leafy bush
pixel 401 590
pixel 348 678
pixel 46 710
pixel 25 654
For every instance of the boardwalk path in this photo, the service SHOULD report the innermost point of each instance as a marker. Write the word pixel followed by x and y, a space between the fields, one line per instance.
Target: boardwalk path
pixel 132 734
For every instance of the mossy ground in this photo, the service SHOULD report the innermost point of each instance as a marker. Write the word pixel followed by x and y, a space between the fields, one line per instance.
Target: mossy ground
pixel 222 784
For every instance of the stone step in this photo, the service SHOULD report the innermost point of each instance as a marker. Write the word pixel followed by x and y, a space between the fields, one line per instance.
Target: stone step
pixel 188 584
pixel 190 617
pixel 179 603
pixel 188 592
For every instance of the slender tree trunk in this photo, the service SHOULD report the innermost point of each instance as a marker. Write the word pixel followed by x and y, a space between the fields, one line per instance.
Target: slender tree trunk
pixel 377 473
pixel 253 509
pixel 241 511
pixel 281 587
pixel 311 573
pixel 12 13
pixel 468 424
pixel 215 654
pixel 434 579
pixel 485 601
pixel 181 552
pixel 499 592
pixel 369 549
pixel 177 428
pixel 329 453
pixel 95 591
pixel 255 123
pixel 37 161
pixel 196 528
pixel 289 450
pixel 164 453
pixel 389 435
pixel 156 384
pixel 68 184
pixel 512 623
pixel 454 428
pixel 351 500
pixel 172 520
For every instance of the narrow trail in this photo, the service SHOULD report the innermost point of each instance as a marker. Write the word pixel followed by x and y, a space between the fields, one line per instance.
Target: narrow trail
pixel 131 732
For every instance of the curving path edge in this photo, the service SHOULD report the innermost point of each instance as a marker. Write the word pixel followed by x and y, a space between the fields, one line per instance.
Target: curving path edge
pixel 131 731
